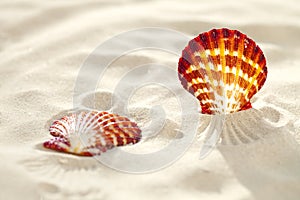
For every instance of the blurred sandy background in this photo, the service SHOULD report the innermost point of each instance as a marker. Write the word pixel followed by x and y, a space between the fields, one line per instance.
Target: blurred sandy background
pixel 42 47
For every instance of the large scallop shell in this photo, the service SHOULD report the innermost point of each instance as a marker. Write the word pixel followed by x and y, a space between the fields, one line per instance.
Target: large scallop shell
pixel 223 69
pixel 89 133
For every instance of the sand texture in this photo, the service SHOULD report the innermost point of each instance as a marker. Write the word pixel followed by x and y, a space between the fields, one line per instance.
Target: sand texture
pixel 43 47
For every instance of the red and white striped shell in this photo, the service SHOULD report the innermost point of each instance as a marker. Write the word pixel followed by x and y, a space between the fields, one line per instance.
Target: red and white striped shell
pixel 89 133
pixel 223 69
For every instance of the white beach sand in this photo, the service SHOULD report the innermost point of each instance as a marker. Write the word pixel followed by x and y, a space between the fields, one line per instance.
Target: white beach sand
pixel 42 48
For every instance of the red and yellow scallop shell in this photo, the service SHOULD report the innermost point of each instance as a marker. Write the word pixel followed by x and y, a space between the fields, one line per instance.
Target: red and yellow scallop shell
pixel 89 133
pixel 223 69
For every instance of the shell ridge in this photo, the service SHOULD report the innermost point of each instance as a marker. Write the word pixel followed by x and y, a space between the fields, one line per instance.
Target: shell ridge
pixel 62 126
pixel 92 122
pixel 96 141
pixel 60 144
pixel 85 122
pixel 71 124
pixel 213 58
pixel 253 78
pixel 104 118
pixel 222 48
pixel 56 131
pixel 203 56
pixel 77 121
pixel 121 137
pixel 240 50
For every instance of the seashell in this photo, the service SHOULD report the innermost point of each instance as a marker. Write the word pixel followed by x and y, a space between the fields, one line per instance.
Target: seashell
pixel 223 69
pixel 89 133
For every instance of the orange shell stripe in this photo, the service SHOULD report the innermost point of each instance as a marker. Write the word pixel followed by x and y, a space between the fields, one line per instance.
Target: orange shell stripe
pixel 223 68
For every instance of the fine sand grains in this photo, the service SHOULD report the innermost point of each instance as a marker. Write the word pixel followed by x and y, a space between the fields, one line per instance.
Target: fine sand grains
pixel 42 48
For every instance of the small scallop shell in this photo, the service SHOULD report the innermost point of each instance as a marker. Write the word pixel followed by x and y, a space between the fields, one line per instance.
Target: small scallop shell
pixel 223 69
pixel 89 133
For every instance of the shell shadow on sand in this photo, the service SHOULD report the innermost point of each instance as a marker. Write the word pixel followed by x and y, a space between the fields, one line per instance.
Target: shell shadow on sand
pixel 58 175
pixel 260 148
pixel 251 125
